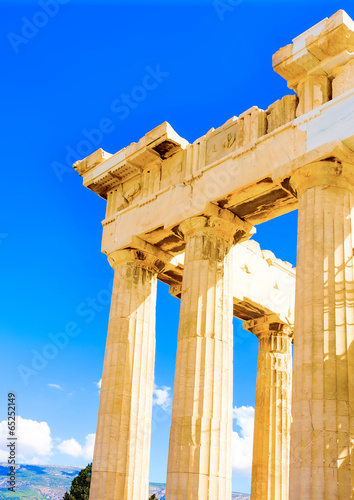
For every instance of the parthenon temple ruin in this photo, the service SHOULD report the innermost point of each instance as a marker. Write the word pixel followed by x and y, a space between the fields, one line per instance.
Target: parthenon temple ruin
pixel 185 214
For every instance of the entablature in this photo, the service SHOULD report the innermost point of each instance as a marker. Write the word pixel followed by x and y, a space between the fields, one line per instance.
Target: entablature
pixel 244 166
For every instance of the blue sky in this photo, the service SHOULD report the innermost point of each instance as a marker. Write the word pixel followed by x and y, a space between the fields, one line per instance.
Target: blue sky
pixel 61 81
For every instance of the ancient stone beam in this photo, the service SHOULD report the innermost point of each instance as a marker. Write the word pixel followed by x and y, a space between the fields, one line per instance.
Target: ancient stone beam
pixel 262 285
pixel 246 164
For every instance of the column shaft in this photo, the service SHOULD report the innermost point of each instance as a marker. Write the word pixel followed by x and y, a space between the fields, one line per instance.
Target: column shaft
pixel 322 432
pixel 122 448
pixel 199 463
pixel 271 444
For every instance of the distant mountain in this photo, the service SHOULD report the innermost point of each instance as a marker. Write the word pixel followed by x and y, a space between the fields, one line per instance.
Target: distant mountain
pixel 37 482
pixel 50 482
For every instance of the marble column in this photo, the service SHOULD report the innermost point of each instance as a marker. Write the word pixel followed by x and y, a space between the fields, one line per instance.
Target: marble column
pixel 322 432
pixel 122 449
pixel 199 462
pixel 271 443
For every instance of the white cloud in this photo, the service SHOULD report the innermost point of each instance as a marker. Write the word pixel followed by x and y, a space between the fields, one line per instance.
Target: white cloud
pixel 242 442
pixel 37 461
pixel 99 383
pixel 36 446
pixel 34 441
pixel 74 449
pixel 70 447
pixel 162 397
pixel 89 446
pixel 55 386
pixel 34 437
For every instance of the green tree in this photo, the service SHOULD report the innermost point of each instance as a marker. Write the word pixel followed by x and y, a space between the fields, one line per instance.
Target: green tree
pixel 80 487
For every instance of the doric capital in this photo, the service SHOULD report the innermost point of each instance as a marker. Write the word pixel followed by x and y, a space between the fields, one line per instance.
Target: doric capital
pixel 195 225
pixel 137 257
pixel 267 326
pixel 219 221
pixel 330 173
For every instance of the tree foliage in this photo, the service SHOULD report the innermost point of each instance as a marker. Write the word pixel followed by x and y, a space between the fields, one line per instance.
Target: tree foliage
pixel 80 487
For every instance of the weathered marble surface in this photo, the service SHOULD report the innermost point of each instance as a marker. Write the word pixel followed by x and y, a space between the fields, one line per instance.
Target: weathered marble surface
pixel 299 153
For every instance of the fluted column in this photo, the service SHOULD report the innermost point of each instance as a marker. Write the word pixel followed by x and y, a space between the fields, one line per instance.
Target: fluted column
pixel 199 462
pixel 322 433
pixel 122 448
pixel 272 418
